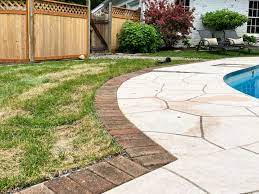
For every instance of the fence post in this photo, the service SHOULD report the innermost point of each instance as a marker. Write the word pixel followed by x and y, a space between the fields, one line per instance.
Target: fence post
pixel 110 28
pixel 88 2
pixel 30 29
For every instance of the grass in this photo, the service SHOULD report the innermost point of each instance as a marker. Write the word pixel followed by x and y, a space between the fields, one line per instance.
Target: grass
pixel 48 124
pixel 205 54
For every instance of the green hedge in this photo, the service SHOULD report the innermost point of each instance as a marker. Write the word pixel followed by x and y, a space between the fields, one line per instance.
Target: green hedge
pixel 223 20
pixel 139 38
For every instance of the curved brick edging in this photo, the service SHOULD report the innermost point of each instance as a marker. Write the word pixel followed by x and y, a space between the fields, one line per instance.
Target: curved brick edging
pixel 143 154
pixel 138 146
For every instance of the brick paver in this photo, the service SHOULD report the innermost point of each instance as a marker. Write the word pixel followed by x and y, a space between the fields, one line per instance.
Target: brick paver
pixel 110 173
pixel 132 168
pixel 40 188
pixel 91 181
pixel 143 151
pixel 65 185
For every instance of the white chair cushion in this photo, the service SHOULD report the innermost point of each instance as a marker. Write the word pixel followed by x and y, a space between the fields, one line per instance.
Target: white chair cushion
pixel 236 41
pixel 210 41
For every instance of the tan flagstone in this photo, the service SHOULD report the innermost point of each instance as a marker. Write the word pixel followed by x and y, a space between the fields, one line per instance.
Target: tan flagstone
pixel 204 109
pixel 179 95
pixel 183 146
pixel 229 132
pixel 141 105
pixel 254 110
pixel 229 171
pixel 217 151
pixel 234 99
pixel 166 121
pixel 254 147
pixel 157 182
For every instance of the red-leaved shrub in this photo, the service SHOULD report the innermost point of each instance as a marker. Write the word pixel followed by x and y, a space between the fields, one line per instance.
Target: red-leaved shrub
pixel 173 21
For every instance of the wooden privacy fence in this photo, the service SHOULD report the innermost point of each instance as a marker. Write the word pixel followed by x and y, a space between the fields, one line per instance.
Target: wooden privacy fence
pixel 41 30
pixel 106 24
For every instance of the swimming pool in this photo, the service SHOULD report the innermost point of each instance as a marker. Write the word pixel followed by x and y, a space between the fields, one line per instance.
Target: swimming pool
pixel 245 80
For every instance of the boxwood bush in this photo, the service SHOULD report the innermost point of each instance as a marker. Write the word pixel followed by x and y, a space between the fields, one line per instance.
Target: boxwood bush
pixel 223 20
pixel 249 39
pixel 139 38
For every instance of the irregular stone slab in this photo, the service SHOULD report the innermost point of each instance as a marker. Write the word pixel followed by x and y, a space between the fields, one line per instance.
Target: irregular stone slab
pixel 229 132
pixel 228 99
pixel 183 146
pixel 183 87
pixel 138 92
pixel 203 109
pixel 219 87
pixel 254 147
pixel 150 76
pixel 255 110
pixel 141 105
pixel 138 84
pixel 157 182
pixel 179 95
pixel 171 78
pixel 229 171
pixel 166 121
pixel 203 78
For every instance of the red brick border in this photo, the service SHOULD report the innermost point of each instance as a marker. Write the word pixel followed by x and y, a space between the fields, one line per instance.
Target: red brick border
pixel 138 146
pixel 143 154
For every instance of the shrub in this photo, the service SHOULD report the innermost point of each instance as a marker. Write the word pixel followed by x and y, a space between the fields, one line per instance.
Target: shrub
pixel 187 42
pixel 173 21
pixel 223 20
pixel 138 37
pixel 249 39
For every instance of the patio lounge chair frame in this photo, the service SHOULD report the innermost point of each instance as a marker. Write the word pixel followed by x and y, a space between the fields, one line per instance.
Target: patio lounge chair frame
pixel 232 34
pixel 204 43
pixel 222 44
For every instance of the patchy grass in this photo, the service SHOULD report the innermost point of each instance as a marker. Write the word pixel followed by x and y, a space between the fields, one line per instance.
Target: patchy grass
pixel 205 54
pixel 48 123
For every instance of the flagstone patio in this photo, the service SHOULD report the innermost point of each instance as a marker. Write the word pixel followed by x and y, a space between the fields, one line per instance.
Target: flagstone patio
pixel 210 127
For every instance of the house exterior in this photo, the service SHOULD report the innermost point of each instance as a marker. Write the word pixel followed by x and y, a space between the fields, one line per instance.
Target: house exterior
pixel 249 8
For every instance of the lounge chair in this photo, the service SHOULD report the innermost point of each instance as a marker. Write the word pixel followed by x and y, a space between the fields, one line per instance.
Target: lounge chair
pixel 207 41
pixel 233 40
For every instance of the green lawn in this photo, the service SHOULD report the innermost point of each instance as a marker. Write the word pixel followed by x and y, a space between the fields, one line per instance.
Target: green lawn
pixel 205 54
pixel 48 124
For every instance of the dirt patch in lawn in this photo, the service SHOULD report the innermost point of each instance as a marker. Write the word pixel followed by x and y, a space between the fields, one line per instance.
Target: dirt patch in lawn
pixel 9 162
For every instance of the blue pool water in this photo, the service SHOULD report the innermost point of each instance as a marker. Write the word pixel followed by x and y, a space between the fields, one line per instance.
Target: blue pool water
pixel 246 81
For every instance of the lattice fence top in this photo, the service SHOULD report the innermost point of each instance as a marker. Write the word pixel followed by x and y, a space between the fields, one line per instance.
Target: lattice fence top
pixel 60 8
pixel 101 12
pixel 12 5
pixel 125 13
